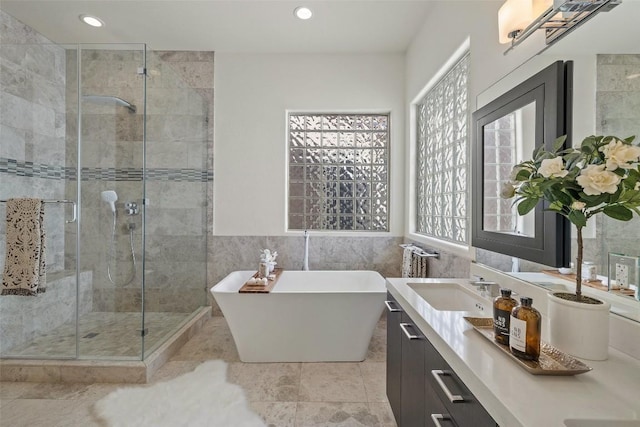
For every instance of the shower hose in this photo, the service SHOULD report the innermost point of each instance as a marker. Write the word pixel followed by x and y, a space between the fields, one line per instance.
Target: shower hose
pixel 112 252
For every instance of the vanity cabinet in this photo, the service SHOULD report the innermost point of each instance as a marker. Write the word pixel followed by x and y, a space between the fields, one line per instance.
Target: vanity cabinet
pixel 422 388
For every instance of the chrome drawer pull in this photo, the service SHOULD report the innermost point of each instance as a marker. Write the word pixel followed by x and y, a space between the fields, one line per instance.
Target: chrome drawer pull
pixel 403 326
pixel 436 418
pixel 391 310
pixel 452 397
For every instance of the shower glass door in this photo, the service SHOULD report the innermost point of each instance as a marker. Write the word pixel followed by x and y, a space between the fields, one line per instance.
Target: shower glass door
pixel 110 154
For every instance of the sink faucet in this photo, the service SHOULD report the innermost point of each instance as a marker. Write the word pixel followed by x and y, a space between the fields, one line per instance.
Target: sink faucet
pixel 305 260
pixel 486 288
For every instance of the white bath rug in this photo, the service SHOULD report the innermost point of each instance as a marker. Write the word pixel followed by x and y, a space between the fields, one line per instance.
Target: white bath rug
pixel 200 398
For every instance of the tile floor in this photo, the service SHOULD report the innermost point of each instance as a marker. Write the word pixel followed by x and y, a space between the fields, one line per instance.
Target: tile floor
pixel 103 335
pixel 284 394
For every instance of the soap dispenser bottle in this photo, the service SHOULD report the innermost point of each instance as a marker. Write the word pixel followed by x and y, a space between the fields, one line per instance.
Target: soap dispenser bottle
pixel 502 307
pixel 524 330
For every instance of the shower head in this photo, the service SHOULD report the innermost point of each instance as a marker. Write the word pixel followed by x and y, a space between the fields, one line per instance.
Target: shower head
pixel 110 197
pixel 109 100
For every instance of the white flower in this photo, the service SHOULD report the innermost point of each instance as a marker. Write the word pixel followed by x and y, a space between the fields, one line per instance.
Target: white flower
pixel 578 206
pixel 507 191
pixel 620 155
pixel 553 168
pixel 595 180
pixel 637 186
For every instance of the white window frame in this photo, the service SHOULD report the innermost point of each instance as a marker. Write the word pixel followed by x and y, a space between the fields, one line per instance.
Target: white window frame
pixel 463 250
pixel 386 165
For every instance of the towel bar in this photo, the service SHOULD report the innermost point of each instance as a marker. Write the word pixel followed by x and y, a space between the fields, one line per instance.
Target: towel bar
pixel 421 252
pixel 74 205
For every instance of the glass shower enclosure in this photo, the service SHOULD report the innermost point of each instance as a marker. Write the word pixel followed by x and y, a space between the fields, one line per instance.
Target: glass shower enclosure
pixel 116 141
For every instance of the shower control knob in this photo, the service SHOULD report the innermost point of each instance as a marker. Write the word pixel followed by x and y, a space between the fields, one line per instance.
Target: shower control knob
pixel 131 208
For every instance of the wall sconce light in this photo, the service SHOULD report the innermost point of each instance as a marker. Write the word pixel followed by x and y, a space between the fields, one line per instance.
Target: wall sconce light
pixel 518 19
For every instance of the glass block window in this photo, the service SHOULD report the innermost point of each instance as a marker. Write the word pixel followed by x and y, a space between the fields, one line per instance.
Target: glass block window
pixel 442 157
pixel 499 158
pixel 338 172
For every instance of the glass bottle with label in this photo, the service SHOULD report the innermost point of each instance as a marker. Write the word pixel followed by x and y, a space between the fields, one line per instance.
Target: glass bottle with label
pixel 524 330
pixel 502 307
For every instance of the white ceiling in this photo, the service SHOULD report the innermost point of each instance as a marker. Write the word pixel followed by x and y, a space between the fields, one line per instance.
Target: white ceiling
pixel 337 26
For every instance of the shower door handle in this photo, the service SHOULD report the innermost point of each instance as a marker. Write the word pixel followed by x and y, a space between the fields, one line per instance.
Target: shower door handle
pixel 74 208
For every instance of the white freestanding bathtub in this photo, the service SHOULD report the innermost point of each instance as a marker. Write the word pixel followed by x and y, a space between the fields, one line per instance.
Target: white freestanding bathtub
pixel 309 316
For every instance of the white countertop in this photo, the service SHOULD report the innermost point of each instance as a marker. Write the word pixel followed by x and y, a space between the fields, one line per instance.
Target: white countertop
pixel 513 396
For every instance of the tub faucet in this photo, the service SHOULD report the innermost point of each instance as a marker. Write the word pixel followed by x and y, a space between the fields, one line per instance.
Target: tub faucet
pixel 305 260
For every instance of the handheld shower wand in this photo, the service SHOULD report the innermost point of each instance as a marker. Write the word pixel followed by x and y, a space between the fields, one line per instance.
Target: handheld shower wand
pixel 110 197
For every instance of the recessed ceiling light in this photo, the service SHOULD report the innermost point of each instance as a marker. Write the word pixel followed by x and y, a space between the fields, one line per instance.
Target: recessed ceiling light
pixel 91 20
pixel 302 12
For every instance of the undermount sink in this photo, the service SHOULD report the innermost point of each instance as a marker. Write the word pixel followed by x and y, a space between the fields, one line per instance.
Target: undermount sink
pixel 451 297
pixel 601 423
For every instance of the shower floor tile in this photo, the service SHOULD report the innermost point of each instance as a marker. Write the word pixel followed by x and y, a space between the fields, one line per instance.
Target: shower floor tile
pixel 103 335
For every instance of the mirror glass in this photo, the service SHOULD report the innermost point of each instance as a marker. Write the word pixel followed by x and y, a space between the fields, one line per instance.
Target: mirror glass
pixel 606 101
pixel 507 141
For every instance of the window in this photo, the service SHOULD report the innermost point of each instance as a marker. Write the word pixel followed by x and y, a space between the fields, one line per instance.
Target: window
pixel 442 158
pixel 500 155
pixel 339 172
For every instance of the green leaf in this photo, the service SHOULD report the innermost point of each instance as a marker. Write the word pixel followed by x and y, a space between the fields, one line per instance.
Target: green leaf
pixel 577 218
pixel 559 142
pixel 562 197
pixel 618 212
pixel 527 205
pixel 523 175
pixel 537 151
pixel 556 207
pixel 629 139
pixel 589 145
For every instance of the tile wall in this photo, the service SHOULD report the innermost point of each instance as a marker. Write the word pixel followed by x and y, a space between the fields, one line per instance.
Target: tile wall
pixel 177 177
pixel 381 254
pixel 617 113
pixel 32 163
pixel 32 127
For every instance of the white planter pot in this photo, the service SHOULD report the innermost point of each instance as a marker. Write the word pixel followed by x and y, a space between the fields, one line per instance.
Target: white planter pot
pixel 581 330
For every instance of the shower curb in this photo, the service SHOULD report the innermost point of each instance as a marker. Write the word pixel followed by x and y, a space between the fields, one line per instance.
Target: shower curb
pixel 102 371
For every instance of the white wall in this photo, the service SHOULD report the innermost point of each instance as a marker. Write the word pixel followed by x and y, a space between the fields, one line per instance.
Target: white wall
pixel 450 25
pixel 252 95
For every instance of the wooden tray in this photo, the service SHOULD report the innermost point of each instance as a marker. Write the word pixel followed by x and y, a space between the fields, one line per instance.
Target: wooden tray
pixel 261 289
pixel 596 284
pixel 551 362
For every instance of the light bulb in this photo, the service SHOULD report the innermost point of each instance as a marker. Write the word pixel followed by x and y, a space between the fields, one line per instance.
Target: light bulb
pixel 302 12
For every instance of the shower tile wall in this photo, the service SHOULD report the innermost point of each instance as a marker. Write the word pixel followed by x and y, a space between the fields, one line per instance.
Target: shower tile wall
pixel 111 149
pixel 179 137
pixel 32 127
pixel 617 113
pixel 177 178
pixel 32 163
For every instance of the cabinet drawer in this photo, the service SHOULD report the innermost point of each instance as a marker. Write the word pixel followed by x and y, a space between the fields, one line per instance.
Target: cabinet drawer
pixel 460 403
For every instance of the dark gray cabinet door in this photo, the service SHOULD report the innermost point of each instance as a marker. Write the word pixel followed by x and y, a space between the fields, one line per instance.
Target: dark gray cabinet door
pixel 412 391
pixel 394 355
pixel 458 400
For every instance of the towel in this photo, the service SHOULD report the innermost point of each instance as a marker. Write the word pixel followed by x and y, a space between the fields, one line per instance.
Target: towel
pixel 407 256
pixel 24 267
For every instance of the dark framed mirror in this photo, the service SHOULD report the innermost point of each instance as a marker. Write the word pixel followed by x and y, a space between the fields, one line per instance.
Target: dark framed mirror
pixel 505 132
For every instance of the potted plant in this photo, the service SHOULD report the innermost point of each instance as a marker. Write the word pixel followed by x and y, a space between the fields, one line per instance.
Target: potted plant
pixel 600 176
